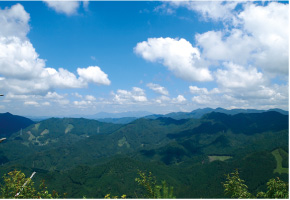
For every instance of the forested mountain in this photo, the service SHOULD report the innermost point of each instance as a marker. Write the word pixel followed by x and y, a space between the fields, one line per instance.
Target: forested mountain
pixel 11 123
pixel 90 158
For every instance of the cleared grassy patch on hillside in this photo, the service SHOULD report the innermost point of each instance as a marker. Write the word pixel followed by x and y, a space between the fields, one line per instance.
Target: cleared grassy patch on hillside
pixel 220 158
pixel 279 169
pixel 68 128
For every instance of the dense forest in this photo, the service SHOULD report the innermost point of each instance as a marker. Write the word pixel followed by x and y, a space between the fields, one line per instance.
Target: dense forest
pixel 89 158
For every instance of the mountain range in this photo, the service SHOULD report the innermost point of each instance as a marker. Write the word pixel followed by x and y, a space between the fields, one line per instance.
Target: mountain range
pixel 191 151
pixel 127 117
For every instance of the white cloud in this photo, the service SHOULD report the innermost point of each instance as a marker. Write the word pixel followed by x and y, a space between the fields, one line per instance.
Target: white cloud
pixel 242 87
pixel 177 55
pixel 53 95
pixel 269 26
pixel 254 33
pixel 90 98
pixel 197 90
pixel 33 103
pixel 236 76
pixel 158 89
pixel 65 7
pixel 163 99
pixel 62 78
pixel 179 99
pixel 14 22
pixel 237 47
pixel 128 97
pixel 203 99
pixel 216 10
pixel 93 74
pixel 82 103
pixel 21 69
pixel 260 36
pixel 18 59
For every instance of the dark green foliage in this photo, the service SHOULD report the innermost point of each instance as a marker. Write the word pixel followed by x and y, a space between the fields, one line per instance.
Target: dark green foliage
pixel 154 191
pixel 11 123
pixel 17 186
pixel 235 188
pixel 276 189
pixel 251 123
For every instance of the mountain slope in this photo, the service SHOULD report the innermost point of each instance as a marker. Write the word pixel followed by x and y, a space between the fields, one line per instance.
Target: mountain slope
pixel 11 123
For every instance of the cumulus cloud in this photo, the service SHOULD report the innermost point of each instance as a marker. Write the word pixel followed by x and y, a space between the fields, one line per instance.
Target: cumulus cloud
pixel 243 87
pixel 178 55
pixel 248 55
pixel 203 100
pixel 53 95
pixel 93 74
pixel 237 47
pixel 260 36
pixel 216 10
pixel 254 33
pixel 272 50
pixel 14 21
pixel 162 99
pixel 236 76
pixel 197 90
pixel 128 97
pixel 18 58
pixel 64 7
pixel 158 89
pixel 82 103
pixel 21 69
pixel 179 99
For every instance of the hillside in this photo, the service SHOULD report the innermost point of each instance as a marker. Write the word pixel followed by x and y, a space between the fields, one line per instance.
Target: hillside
pixel 11 123
pixel 92 158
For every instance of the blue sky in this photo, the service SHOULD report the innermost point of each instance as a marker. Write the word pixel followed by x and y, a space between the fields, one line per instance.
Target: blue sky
pixel 64 58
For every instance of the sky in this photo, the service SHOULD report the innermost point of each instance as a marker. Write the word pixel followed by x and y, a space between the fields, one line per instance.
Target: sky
pixel 84 57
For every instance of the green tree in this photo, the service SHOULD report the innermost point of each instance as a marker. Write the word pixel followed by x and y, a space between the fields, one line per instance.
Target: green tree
pixel 153 190
pixel 235 188
pixel 276 189
pixel 17 186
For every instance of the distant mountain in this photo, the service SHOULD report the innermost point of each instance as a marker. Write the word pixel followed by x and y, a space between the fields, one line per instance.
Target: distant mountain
pixel 128 117
pixel 198 113
pixel 122 120
pixel 102 115
pixel 12 123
